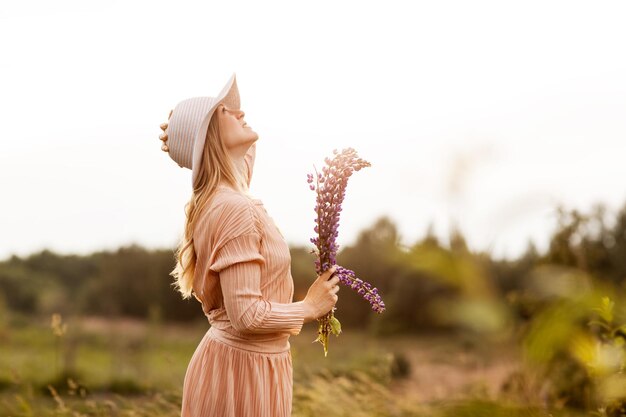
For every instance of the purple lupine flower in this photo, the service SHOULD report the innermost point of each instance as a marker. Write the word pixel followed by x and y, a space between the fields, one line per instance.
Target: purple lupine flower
pixel 348 278
pixel 330 196
pixel 330 188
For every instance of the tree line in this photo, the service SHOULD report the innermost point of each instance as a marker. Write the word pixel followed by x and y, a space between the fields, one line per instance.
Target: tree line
pixel 419 283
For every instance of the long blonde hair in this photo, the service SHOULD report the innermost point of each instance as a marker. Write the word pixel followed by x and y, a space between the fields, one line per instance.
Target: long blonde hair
pixel 217 167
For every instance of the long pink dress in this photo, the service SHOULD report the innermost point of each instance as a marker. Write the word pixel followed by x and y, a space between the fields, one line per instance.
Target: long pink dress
pixel 242 366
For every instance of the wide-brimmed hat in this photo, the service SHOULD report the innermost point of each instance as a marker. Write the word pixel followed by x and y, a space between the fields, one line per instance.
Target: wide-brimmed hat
pixel 185 132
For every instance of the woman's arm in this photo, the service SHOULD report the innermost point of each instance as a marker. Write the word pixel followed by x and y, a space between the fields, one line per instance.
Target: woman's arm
pixel 248 311
pixel 234 252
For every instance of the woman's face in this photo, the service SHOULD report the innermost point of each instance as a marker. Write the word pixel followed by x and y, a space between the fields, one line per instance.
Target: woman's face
pixel 236 134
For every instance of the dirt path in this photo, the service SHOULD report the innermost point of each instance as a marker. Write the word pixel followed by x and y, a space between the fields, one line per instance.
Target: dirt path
pixel 442 369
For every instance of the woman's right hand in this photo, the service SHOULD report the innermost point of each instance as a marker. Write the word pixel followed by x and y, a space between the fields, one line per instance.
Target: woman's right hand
pixel 321 296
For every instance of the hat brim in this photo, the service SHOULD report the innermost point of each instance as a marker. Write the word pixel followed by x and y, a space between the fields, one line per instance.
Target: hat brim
pixel 230 97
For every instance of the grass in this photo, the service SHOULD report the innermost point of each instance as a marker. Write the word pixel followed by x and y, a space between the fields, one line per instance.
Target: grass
pixel 131 368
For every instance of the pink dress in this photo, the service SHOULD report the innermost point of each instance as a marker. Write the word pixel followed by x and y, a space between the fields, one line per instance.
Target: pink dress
pixel 242 366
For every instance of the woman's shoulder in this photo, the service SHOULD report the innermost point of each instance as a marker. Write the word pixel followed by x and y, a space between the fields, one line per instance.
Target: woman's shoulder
pixel 230 213
pixel 230 206
pixel 228 199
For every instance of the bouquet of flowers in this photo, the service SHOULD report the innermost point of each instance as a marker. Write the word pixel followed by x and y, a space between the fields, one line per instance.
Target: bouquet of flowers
pixel 330 186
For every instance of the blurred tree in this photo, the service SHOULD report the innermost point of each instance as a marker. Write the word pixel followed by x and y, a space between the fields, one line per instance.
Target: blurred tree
pixel 374 258
pixel 133 280
pixel 302 270
pixel 19 287
pixel 586 242
pixel 415 281
pixel 615 243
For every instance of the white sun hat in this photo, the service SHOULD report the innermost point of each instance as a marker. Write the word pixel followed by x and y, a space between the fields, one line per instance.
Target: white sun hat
pixel 185 132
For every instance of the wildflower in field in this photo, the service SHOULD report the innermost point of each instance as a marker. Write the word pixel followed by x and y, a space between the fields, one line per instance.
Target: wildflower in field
pixel 330 187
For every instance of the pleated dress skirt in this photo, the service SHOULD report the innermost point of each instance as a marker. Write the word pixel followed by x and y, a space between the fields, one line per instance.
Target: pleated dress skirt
pixel 227 381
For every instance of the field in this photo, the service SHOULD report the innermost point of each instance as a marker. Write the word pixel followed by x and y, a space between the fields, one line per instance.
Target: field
pixel 133 368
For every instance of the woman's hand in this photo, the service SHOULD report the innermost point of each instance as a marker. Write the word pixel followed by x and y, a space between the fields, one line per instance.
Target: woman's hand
pixel 321 296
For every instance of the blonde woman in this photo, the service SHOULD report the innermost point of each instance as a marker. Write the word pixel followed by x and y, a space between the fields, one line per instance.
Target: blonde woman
pixel 235 262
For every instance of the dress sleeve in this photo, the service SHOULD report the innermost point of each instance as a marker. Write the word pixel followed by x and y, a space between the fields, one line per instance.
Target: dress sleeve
pixel 248 311
pixel 238 262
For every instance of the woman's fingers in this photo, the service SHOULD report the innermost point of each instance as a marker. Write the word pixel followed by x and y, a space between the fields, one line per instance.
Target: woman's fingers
pixel 331 282
pixel 325 275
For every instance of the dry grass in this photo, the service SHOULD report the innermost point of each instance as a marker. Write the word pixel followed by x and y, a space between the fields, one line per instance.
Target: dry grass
pixel 356 379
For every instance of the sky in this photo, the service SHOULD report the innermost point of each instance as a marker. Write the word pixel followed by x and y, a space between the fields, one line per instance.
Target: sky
pixel 483 115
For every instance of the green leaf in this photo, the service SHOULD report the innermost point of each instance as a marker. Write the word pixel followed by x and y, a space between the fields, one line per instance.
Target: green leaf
pixel 606 309
pixel 335 326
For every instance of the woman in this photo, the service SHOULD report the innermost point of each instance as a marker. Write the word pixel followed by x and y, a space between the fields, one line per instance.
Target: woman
pixel 234 260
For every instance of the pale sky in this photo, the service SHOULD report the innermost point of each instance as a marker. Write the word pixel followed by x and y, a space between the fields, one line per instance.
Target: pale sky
pixel 486 114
